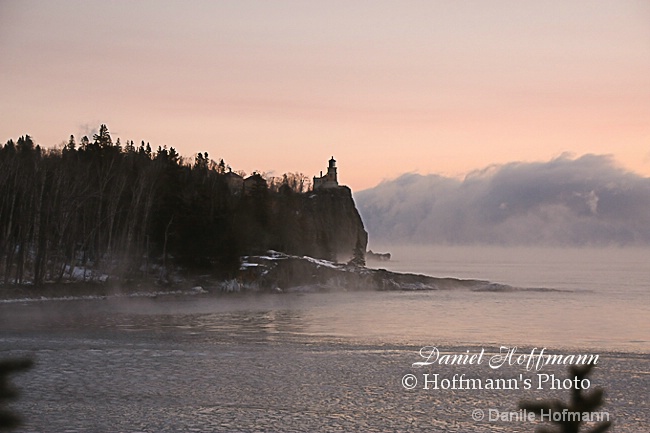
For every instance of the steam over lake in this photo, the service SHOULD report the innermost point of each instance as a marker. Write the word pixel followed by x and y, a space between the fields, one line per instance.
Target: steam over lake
pixel 336 361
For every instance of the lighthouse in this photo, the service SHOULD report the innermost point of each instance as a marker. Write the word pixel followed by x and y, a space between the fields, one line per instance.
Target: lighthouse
pixel 330 180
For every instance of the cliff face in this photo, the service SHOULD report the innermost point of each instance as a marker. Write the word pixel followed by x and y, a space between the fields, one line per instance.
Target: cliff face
pixel 324 224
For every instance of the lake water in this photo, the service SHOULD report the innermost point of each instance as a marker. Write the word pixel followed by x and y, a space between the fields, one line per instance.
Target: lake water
pixel 336 361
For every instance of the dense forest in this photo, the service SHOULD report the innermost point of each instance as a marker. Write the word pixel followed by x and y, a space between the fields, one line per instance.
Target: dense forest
pixel 101 207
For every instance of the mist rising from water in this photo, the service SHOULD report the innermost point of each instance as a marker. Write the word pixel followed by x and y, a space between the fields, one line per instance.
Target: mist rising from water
pixel 584 201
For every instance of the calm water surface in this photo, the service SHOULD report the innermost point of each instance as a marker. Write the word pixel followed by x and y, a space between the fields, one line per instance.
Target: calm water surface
pixel 335 361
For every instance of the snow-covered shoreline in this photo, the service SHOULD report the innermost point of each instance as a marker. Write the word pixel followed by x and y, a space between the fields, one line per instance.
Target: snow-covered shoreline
pixel 273 272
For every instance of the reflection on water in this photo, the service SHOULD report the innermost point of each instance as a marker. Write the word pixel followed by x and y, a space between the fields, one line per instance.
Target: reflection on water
pixel 271 363
pixel 579 319
pixel 292 362
pixel 323 361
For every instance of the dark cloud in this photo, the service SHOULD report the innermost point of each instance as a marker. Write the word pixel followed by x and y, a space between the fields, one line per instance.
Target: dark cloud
pixel 585 201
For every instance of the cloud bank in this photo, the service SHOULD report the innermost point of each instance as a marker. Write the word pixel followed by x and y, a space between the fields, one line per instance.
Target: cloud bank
pixel 584 201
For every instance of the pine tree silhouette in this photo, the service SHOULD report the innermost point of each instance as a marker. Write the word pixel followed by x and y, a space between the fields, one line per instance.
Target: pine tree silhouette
pixel 578 403
pixel 8 419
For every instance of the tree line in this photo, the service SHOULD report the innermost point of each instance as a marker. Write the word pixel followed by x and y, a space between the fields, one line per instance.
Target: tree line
pixel 101 207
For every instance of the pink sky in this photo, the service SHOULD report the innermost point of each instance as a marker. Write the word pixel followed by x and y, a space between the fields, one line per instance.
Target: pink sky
pixel 386 87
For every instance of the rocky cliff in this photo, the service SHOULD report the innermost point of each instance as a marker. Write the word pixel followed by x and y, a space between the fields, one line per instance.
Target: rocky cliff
pixel 278 272
pixel 323 224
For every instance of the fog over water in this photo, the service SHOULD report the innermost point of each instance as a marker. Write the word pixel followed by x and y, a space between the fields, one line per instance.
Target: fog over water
pixel 611 269
pixel 334 361
pixel 588 200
